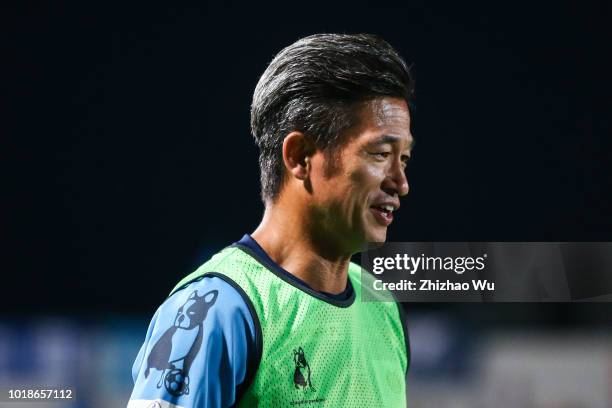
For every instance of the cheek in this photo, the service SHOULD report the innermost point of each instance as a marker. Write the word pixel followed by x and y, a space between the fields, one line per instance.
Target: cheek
pixel 322 187
pixel 354 192
pixel 366 180
pixel 350 186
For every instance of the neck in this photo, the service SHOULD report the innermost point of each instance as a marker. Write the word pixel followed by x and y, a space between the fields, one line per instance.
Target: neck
pixel 292 245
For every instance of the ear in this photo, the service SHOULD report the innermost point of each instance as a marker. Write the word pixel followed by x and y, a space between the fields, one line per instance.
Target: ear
pixel 211 296
pixel 193 295
pixel 297 152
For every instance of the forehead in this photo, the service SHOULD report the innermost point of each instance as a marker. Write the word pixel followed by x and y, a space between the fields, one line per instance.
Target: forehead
pixel 384 116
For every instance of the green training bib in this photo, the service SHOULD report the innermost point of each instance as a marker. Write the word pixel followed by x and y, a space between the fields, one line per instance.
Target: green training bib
pixel 311 351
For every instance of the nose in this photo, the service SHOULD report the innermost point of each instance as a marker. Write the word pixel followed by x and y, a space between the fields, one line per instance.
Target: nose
pixel 396 181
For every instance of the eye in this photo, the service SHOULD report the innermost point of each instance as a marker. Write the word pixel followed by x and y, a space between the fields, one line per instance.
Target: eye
pixel 381 155
pixel 405 159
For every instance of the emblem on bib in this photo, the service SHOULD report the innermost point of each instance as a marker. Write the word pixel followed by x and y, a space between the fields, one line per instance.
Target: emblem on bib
pixel 172 359
pixel 301 374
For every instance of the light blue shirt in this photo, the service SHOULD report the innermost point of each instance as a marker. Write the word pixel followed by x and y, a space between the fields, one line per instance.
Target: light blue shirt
pixel 196 349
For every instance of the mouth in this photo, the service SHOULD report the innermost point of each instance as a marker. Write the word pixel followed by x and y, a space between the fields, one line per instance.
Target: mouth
pixel 383 213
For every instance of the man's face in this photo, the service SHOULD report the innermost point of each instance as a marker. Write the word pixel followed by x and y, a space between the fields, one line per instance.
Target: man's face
pixel 355 204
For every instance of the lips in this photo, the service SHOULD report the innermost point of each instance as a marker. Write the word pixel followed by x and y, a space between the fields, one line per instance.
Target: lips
pixel 383 213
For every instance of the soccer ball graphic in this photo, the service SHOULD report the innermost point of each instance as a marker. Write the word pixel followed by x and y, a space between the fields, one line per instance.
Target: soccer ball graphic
pixel 176 382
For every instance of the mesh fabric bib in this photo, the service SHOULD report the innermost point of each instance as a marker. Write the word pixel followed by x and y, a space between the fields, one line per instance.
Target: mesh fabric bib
pixel 312 352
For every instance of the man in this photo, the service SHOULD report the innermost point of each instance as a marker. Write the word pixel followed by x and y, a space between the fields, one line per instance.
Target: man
pixel 276 319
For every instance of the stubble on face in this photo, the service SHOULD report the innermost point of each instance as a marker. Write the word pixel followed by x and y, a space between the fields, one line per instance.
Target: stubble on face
pixel 355 180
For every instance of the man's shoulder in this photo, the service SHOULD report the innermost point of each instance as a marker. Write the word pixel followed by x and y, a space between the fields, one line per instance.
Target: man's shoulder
pixel 202 287
pixel 210 296
pixel 185 341
pixel 221 263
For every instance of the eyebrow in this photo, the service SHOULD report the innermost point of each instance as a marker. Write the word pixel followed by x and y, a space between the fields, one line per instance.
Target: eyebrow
pixel 384 139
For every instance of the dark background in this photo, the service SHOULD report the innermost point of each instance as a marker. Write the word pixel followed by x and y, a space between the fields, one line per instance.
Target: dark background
pixel 127 158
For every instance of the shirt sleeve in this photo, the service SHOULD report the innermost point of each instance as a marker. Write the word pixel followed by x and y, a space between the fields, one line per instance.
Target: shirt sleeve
pixel 197 349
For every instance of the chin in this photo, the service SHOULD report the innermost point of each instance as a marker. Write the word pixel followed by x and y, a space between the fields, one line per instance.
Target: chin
pixel 378 237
